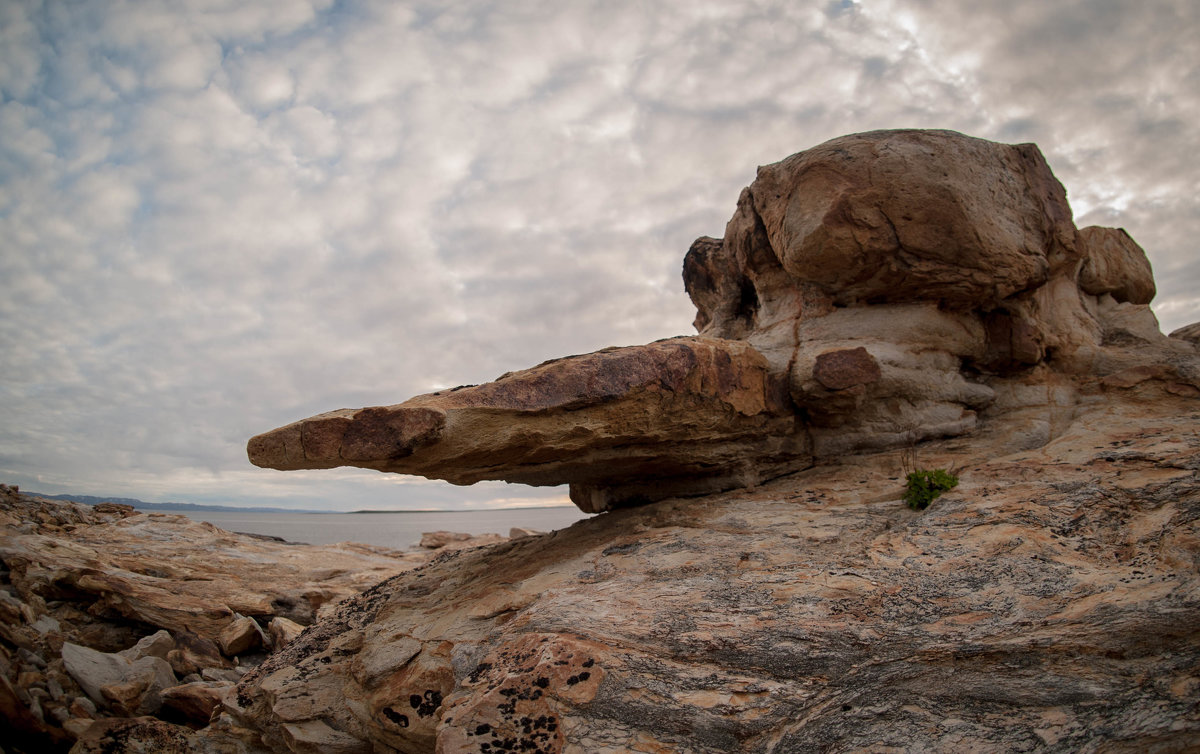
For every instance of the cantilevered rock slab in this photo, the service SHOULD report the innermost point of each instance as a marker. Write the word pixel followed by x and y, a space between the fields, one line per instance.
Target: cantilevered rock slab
pixel 683 416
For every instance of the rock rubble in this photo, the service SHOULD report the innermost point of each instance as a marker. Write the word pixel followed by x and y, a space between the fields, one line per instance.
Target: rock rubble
pixel 111 615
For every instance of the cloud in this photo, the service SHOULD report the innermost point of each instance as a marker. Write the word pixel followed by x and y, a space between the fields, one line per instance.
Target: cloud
pixel 220 217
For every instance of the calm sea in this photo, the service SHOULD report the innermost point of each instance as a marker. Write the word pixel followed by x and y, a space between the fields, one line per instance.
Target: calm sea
pixel 396 530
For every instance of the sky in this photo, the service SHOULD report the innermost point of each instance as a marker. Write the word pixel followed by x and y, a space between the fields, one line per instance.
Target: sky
pixel 219 216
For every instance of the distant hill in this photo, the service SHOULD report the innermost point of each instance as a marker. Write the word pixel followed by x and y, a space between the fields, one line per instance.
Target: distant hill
pixel 142 505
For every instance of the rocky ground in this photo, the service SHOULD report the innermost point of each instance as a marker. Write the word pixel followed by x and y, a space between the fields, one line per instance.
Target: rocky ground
pixel 1050 602
pixel 110 613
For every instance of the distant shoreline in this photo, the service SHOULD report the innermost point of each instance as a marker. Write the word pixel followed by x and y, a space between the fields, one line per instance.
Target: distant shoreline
pixel 202 508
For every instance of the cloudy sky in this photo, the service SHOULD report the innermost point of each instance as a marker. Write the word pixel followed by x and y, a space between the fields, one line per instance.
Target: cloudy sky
pixel 220 216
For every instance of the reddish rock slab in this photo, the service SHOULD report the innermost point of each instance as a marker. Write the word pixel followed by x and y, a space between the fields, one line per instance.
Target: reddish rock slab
pixel 680 416
pixel 839 370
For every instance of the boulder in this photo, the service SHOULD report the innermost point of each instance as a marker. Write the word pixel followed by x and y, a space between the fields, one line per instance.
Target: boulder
pixel 1113 263
pixel 433 540
pixel 93 670
pixel 193 653
pixel 242 635
pixel 140 690
pixel 194 702
pixel 129 687
pixel 915 216
pixel 158 644
pixel 283 632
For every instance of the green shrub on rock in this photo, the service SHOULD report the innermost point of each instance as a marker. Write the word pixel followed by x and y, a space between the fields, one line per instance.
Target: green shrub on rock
pixel 924 485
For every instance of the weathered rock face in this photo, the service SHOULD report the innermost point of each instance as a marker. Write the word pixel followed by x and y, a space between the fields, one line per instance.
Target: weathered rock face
pixel 680 416
pixel 1050 602
pixel 876 290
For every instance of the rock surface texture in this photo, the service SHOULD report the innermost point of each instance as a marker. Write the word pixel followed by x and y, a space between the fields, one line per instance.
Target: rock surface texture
pixel 876 290
pixel 1051 602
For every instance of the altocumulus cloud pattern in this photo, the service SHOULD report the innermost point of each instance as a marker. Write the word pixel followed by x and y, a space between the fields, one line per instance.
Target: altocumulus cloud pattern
pixel 220 216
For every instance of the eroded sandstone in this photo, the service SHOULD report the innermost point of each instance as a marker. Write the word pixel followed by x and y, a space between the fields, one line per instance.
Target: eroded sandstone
pixel 874 291
pixel 680 416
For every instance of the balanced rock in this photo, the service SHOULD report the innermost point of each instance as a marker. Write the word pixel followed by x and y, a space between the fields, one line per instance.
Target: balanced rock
pixel 877 290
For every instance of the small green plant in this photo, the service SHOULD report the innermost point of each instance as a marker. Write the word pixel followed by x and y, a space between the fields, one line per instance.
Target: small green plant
pixel 922 486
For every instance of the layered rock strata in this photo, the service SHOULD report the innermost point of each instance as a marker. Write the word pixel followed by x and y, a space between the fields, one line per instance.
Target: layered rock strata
pixel 877 290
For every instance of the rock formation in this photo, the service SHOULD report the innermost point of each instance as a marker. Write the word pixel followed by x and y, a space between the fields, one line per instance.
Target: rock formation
pixel 874 291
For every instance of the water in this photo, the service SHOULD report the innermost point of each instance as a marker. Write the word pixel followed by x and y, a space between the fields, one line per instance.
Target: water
pixel 398 531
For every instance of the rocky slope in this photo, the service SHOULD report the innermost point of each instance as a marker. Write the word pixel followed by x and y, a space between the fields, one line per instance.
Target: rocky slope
pixel 1051 602
pixel 106 612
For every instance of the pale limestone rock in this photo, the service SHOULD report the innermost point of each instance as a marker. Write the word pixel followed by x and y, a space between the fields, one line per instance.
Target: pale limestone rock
pixel 111 680
pixel 93 670
pixel 283 631
pixel 158 644
pixel 140 690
